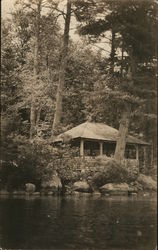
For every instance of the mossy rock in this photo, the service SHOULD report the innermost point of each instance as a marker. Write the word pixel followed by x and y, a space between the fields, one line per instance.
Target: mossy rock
pixel 147 182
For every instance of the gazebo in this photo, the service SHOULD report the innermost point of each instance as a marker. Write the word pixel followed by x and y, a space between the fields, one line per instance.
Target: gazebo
pixel 99 139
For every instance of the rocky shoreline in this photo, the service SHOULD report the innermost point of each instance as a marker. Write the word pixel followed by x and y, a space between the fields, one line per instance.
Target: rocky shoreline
pixel 22 194
pixel 143 185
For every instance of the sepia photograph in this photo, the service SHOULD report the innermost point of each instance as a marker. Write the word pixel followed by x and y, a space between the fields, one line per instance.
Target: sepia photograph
pixel 78 141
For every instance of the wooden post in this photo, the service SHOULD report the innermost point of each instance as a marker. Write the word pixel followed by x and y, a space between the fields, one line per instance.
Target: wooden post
pixel 137 155
pixel 145 158
pixel 101 148
pixel 82 147
pixel 151 155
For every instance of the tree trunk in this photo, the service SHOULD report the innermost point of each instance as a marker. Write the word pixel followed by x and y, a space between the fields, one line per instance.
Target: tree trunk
pixel 38 116
pixel 125 118
pixel 36 72
pixel 112 54
pixel 32 119
pixel 123 132
pixel 59 96
pixel 122 58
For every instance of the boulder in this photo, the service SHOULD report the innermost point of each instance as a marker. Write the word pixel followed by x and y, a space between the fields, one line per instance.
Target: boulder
pixel 50 193
pixel 115 189
pixel 81 186
pixel 36 193
pixel 68 189
pixel 85 194
pixel 4 192
pixel 132 190
pixel 147 182
pixel 30 188
pixel 18 192
pixel 54 184
pixel 134 194
pixel 81 194
pixel 96 193
pixel 76 193
pixel 136 186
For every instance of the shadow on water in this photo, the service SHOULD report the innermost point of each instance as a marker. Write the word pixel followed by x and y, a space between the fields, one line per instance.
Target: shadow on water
pixel 78 223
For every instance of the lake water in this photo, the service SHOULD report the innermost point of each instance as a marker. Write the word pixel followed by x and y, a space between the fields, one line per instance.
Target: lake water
pixel 78 223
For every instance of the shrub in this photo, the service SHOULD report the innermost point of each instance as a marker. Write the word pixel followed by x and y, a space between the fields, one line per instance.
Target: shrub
pixel 23 162
pixel 111 172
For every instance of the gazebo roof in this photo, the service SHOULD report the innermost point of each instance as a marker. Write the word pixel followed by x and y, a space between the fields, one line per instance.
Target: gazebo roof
pixel 96 131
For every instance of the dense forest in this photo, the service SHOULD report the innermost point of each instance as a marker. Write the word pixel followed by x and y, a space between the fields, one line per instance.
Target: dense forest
pixel 51 81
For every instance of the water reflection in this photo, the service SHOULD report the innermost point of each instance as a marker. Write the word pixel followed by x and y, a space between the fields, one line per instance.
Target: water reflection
pixel 78 223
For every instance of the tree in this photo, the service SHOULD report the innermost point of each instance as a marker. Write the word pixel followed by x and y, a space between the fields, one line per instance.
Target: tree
pixel 137 49
pixel 10 80
pixel 63 63
pixel 123 128
pixel 80 77
pixel 132 31
pixel 35 69
pixel 40 18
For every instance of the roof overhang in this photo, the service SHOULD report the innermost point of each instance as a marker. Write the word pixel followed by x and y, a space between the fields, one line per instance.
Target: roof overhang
pixel 96 132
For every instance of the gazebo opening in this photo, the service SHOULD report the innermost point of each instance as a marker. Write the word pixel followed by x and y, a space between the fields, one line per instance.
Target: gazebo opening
pixel 109 149
pixel 91 148
pixel 130 152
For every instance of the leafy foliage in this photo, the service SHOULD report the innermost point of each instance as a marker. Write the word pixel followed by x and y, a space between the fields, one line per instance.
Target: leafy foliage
pixel 112 172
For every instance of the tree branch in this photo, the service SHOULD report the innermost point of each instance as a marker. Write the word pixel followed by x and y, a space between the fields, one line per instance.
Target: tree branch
pixel 100 48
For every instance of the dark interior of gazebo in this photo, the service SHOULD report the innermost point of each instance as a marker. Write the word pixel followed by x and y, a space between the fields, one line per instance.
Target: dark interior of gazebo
pixel 92 148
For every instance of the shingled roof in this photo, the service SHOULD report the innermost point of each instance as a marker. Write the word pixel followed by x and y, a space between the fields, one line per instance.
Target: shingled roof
pixel 96 131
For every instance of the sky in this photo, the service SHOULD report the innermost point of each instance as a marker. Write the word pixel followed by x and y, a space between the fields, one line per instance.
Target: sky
pixel 7 6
